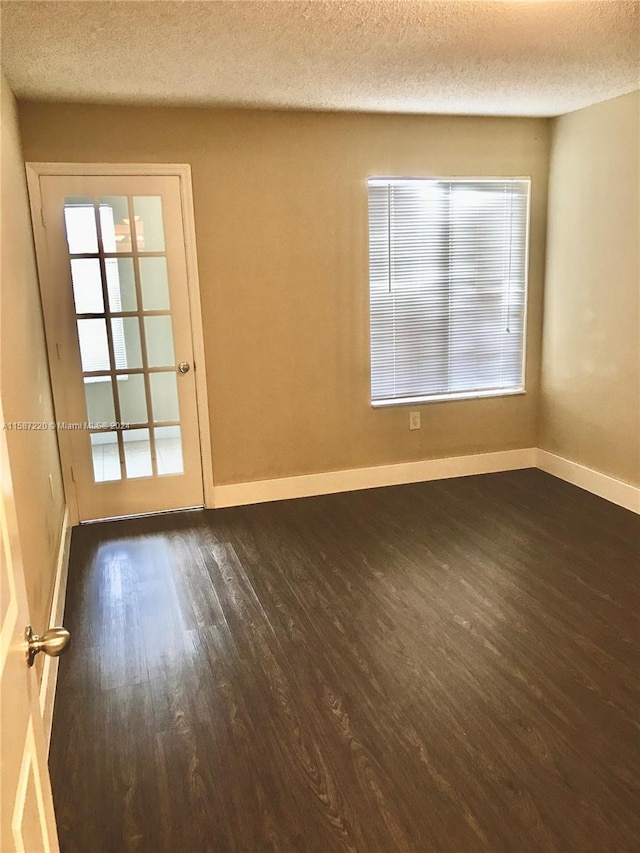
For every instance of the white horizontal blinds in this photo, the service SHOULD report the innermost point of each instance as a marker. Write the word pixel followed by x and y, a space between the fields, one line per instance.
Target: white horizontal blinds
pixel 448 286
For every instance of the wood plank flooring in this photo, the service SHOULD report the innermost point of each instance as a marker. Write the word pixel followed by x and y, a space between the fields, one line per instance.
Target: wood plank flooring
pixel 448 666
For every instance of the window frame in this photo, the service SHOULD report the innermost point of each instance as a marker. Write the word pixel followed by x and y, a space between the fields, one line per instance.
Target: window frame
pixel 422 399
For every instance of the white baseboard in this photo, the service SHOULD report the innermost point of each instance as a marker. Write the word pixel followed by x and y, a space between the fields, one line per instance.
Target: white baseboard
pixel 330 482
pixel 50 665
pixel 307 485
pixel 616 491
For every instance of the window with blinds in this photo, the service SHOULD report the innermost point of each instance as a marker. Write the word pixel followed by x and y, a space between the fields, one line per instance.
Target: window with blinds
pixel 448 278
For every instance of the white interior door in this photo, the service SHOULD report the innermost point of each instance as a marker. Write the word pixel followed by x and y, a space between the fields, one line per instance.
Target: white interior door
pixel 116 304
pixel 27 818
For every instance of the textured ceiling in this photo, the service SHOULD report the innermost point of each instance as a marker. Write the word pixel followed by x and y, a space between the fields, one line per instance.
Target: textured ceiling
pixel 493 58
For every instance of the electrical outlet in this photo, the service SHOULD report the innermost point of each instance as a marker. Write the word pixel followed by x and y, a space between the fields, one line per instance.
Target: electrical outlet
pixel 414 420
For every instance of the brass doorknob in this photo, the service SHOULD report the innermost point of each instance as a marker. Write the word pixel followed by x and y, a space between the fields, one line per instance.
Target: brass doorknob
pixel 184 367
pixel 53 642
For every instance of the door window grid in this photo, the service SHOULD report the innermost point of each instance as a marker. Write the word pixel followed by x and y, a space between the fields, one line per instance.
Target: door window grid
pixel 162 438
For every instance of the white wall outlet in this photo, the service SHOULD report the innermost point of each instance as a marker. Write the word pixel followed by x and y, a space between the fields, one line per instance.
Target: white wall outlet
pixel 414 420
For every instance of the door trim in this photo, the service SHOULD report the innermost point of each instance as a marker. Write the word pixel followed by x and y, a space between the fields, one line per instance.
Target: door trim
pixel 49 680
pixel 30 767
pixel 182 171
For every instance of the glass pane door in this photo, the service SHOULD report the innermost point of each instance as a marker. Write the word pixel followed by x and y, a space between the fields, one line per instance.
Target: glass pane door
pixel 117 302
pixel 117 258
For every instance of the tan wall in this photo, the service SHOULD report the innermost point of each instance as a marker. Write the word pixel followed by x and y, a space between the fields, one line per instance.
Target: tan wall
pixel 590 408
pixel 24 380
pixel 281 224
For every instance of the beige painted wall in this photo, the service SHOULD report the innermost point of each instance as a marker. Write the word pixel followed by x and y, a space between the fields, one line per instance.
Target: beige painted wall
pixel 590 406
pixel 24 379
pixel 281 224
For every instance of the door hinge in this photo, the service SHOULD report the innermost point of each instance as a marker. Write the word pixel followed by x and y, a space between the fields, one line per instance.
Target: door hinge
pixel 44 224
pixel 58 350
pixel 73 479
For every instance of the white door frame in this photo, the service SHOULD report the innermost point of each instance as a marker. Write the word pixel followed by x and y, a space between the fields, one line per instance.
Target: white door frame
pixel 182 171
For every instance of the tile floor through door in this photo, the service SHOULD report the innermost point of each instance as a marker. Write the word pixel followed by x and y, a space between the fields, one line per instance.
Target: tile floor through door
pixel 106 460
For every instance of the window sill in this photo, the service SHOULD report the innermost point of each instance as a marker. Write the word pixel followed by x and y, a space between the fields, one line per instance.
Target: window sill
pixel 446 398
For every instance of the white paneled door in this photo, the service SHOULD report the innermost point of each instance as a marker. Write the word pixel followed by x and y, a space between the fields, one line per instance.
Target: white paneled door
pixel 27 821
pixel 114 282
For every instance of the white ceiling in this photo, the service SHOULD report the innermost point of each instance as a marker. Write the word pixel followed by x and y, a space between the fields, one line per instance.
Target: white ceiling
pixel 415 56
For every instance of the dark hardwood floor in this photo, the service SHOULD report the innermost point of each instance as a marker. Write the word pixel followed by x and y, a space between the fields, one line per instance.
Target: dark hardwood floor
pixel 447 666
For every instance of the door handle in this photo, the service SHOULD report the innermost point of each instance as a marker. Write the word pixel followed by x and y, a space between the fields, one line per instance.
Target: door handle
pixel 53 642
pixel 184 367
